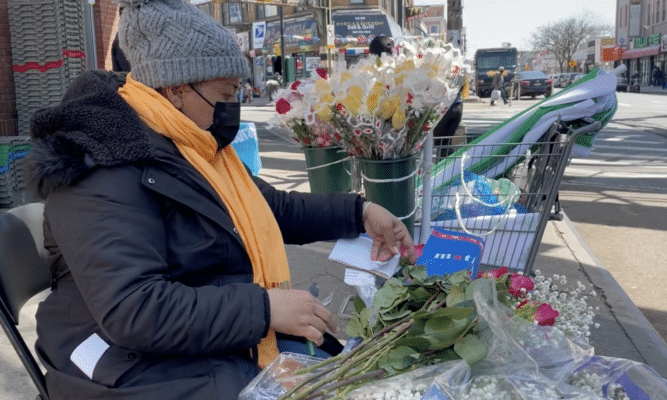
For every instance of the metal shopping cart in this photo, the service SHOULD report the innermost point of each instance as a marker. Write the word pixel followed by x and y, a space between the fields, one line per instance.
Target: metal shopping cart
pixel 505 193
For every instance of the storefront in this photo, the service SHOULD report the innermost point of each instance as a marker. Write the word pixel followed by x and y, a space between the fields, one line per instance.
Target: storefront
pixel 302 45
pixel 354 29
pixel 643 57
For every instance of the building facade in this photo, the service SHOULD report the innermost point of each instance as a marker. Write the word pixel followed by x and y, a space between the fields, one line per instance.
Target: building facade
pixel 641 37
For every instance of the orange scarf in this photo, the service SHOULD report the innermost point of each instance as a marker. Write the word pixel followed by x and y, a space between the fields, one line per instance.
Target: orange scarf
pixel 224 170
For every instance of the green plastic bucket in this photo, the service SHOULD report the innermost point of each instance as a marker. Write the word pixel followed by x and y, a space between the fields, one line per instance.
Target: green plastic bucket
pixel 328 169
pixel 392 184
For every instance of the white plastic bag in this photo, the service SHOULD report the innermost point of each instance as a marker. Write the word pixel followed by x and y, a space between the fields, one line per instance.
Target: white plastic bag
pixel 495 94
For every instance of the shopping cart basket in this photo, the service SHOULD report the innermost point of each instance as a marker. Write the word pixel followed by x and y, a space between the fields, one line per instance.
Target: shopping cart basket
pixel 503 193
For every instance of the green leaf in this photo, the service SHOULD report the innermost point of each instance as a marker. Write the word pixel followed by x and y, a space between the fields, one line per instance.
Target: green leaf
pixel 355 328
pixel 391 293
pixel 419 294
pixel 399 358
pixel 470 348
pixel 418 272
pixel 438 324
pixel 358 304
pixel 447 354
pixel 455 297
pixel 460 277
pixel 416 343
pixel 394 315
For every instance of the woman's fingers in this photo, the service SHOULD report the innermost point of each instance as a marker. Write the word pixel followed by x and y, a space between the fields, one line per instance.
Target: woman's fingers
pixel 298 313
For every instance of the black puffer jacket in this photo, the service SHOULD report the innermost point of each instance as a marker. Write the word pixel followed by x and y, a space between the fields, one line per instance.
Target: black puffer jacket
pixel 146 259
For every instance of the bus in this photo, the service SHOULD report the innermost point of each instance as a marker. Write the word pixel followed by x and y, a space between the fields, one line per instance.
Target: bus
pixel 488 61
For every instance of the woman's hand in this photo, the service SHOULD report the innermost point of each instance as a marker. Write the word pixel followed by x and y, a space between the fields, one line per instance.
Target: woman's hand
pixel 389 234
pixel 298 313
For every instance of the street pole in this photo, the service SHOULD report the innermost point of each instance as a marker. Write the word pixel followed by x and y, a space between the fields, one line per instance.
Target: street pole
pixel 282 46
pixel 89 32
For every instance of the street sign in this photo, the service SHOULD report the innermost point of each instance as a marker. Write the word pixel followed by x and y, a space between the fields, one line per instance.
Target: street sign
pixel 331 36
pixel 572 64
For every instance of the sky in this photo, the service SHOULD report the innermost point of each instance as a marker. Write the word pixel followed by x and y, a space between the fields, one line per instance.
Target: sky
pixel 489 23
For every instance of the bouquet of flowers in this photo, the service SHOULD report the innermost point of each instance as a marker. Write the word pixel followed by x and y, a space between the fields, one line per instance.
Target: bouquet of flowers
pixel 295 112
pixel 382 107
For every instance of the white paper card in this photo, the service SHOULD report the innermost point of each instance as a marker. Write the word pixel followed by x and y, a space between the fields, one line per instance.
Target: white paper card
pixel 88 354
pixel 357 253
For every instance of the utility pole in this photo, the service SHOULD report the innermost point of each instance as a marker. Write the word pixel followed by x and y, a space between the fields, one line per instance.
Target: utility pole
pixel 89 33
pixel 282 46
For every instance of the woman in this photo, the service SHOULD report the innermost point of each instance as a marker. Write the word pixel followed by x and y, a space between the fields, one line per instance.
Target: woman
pixel 170 279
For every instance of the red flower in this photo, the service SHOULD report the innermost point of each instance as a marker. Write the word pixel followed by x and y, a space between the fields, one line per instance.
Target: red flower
pixel 283 106
pixel 545 315
pixel 519 282
pixel 295 85
pixel 495 273
pixel 339 107
pixel 537 311
pixel 322 72
pixel 410 97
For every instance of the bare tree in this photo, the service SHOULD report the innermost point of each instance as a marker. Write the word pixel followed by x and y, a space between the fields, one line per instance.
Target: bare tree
pixel 561 38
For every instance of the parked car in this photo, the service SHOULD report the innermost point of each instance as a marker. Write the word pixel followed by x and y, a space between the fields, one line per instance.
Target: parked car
pixel 621 84
pixel 560 80
pixel 532 83
pixel 569 79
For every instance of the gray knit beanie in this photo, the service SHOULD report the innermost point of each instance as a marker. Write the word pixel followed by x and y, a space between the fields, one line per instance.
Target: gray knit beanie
pixel 169 43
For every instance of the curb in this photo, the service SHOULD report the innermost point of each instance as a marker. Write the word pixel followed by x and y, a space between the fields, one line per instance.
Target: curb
pixel 639 330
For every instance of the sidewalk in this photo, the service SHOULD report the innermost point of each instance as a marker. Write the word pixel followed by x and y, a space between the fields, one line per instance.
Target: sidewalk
pixel 652 90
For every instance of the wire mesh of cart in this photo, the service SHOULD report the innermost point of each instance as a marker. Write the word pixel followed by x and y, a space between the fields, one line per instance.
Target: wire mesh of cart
pixel 504 193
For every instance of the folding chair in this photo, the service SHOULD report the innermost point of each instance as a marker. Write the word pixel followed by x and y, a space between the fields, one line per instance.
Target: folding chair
pixel 23 274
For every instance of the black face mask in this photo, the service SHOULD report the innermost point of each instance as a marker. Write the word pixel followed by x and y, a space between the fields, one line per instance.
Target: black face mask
pixel 226 121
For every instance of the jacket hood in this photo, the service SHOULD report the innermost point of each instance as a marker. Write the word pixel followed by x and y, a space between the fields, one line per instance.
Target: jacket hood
pixel 92 126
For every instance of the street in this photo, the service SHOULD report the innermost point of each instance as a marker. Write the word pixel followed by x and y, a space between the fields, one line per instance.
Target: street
pixel 617 197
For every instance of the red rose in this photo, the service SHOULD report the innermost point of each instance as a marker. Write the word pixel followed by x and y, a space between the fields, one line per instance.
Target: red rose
pixel 295 85
pixel 283 106
pixel 322 72
pixel 537 311
pixel 545 315
pixel 517 283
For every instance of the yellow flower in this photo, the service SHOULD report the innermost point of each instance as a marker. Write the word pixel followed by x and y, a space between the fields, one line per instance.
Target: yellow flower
pixel 322 86
pixel 325 113
pixel 372 101
pixel 399 79
pixel 352 104
pixel 356 92
pixel 377 87
pixel 327 98
pixel 345 76
pixel 409 65
pixel 398 119
pixel 388 107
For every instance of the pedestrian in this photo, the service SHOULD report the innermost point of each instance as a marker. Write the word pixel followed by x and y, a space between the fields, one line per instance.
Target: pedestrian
pixel 447 126
pixel 498 83
pixel 657 75
pixel 170 278
pixel 248 90
pixel 379 45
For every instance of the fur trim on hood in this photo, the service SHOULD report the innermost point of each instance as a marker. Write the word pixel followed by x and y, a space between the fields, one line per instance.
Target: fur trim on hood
pixel 92 126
